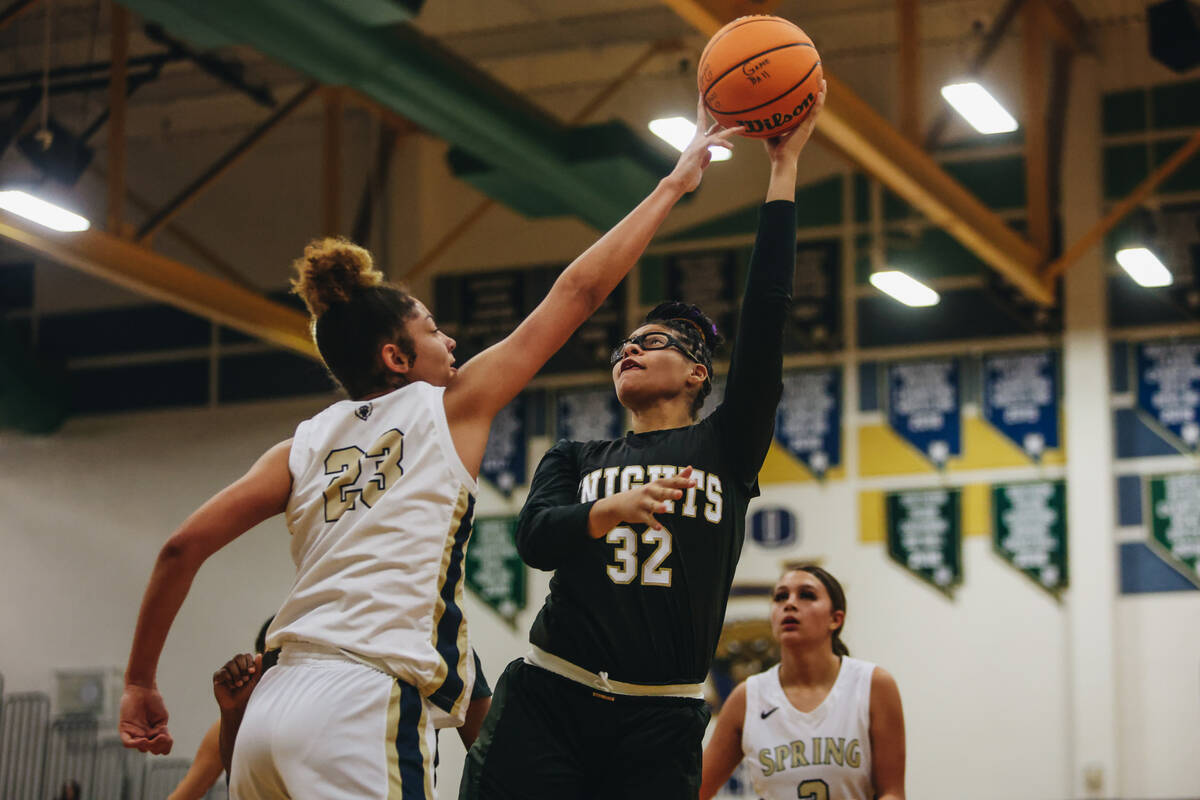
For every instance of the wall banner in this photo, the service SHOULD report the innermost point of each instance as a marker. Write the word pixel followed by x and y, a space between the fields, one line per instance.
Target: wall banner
pixel 924 407
pixel 1029 530
pixel 504 459
pixel 1168 390
pixel 1020 399
pixel 495 572
pixel 1175 519
pixel 925 535
pixel 585 415
pixel 808 422
pixel 774 527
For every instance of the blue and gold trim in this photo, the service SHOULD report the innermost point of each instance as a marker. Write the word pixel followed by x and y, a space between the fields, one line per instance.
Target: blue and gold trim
pixel 449 626
pixel 410 769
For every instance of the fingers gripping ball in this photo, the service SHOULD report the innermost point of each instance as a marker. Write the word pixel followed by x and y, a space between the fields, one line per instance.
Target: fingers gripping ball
pixel 761 72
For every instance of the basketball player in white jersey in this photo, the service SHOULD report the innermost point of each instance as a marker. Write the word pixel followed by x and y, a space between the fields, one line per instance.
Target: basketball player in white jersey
pixel 819 725
pixel 378 492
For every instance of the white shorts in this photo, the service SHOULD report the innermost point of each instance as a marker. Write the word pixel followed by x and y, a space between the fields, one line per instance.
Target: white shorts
pixel 321 726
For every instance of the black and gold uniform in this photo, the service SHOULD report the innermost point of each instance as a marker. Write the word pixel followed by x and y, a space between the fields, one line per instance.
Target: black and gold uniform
pixel 639 611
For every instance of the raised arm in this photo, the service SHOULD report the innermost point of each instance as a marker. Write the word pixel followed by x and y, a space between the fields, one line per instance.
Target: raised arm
pixel 259 494
pixel 724 749
pixel 489 381
pixel 755 381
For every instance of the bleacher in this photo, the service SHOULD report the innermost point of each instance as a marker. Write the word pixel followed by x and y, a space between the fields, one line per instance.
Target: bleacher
pixel 40 753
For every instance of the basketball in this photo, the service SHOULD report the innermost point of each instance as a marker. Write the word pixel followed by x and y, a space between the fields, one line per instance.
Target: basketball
pixel 761 72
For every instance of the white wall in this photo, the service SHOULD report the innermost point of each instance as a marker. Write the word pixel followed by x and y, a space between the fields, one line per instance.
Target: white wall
pixel 86 511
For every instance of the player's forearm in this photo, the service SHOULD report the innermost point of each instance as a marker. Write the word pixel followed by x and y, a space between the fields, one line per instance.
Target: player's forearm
pixel 596 272
pixel 231 720
pixel 782 184
pixel 548 535
pixel 165 593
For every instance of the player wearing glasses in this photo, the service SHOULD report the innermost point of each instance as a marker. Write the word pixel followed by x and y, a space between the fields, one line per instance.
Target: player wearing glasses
pixel 644 534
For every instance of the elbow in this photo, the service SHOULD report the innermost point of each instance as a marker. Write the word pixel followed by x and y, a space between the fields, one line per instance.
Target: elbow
pixel 527 548
pixel 180 554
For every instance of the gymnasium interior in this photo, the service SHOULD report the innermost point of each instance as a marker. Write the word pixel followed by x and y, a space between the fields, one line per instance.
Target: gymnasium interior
pixel 1005 479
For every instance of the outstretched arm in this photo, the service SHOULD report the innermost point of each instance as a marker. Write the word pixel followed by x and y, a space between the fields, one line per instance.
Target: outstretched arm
pixel 755 380
pixel 489 381
pixel 259 494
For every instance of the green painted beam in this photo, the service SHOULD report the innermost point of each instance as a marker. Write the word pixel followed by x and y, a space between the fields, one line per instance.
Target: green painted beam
pixel 418 79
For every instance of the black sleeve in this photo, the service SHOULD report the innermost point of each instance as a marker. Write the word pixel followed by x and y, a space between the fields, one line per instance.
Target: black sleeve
pixel 481 688
pixel 755 381
pixel 553 523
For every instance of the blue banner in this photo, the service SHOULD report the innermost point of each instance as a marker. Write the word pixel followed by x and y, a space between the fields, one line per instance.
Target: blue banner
pixel 504 459
pixel 1168 390
pixel 586 415
pixel 774 527
pixel 1020 399
pixel 924 407
pixel 808 422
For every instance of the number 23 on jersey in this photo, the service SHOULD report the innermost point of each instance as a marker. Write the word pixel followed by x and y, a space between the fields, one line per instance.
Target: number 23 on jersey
pixel 346 464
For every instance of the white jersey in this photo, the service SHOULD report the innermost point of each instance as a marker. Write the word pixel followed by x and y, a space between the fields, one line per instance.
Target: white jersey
pixel 824 753
pixel 380 513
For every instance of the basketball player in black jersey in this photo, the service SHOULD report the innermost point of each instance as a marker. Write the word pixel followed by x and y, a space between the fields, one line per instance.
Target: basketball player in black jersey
pixel 644 535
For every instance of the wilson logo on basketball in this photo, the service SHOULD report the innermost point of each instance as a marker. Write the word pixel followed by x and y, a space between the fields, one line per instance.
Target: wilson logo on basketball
pixel 777 120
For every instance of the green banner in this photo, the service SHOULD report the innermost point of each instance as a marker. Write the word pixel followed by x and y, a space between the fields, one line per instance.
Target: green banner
pixel 925 535
pixel 1175 518
pixel 1029 530
pixel 495 572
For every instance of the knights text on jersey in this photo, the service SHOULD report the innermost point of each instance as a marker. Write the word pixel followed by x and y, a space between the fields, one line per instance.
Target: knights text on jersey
pixel 824 753
pixel 380 514
pixel 647 606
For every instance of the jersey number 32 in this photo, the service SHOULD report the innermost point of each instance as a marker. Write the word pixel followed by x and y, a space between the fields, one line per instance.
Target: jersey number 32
pixel 626 569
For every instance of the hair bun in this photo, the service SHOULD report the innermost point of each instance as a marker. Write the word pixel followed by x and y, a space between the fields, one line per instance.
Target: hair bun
pixel 331 271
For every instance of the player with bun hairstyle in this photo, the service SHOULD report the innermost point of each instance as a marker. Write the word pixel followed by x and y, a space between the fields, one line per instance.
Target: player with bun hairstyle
pixel 819 723
pixel 378 492
pixel 643 535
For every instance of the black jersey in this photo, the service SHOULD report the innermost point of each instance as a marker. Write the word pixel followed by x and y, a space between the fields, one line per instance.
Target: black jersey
pixel 642 605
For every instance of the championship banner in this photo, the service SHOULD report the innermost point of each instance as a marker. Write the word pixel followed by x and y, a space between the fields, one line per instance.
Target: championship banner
pixel 1029 530
pixel 708 279
pixel 586 415
pixel 816 298
pixel 1168 390
pixel 495 572
pixel 1175 519
pixel 923 407
pixel 504 459
pixel 1020 399
pixel 925 535
pixel 808 422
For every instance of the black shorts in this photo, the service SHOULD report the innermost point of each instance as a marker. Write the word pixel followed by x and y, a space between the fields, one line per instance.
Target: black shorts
pixel 549 737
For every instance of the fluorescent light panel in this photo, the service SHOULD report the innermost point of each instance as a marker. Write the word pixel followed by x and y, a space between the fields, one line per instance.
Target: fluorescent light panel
pixel 678 131
pixel 1144 267
pixel 979 108
pixel 905 288
pixel 38 210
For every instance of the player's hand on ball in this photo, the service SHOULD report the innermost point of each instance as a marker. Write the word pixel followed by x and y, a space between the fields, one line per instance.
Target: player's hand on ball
pixel 695 158
pixel 787 146
pixel 233 683
pixel 143 724
pixel 639 504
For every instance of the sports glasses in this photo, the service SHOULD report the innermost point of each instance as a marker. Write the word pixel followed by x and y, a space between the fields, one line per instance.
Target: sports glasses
pixel 651 340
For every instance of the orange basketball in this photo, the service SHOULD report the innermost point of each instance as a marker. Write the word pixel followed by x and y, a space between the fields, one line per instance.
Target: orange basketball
pixel 762 72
